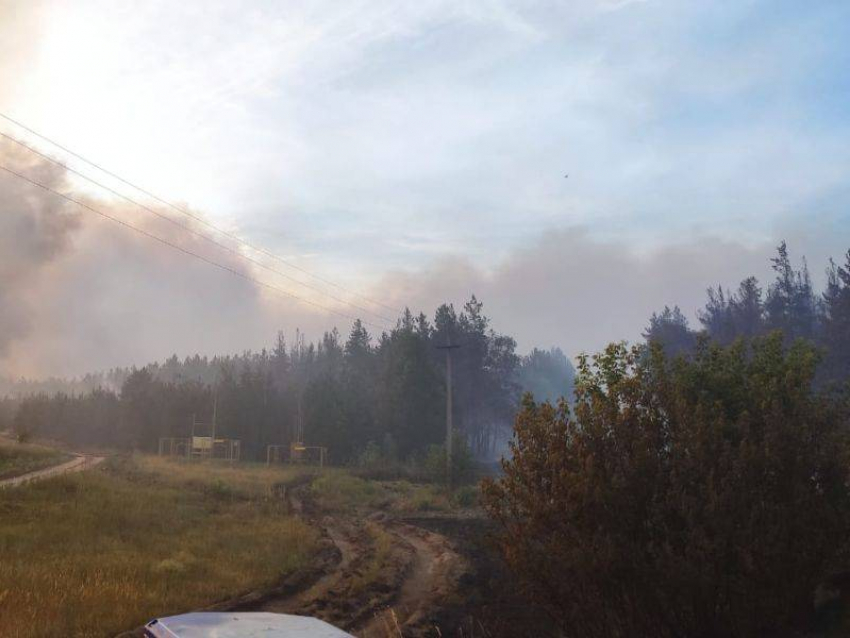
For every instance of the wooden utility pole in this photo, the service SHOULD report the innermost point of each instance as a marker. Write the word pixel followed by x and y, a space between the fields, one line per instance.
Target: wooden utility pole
pixel 449 427
pixel 215 409
pixel 299 435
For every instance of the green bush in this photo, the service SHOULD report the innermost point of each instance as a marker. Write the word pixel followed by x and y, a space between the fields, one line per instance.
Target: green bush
pixel 703 497
pixel 340 490
pixel 371 457
pixel 463 464
pixel 466 496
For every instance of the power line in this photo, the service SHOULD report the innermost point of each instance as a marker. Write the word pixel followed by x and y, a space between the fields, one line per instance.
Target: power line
pixel 206 260
pixel 189 228
pixel 198 218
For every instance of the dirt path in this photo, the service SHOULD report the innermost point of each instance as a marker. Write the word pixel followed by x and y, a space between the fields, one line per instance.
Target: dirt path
pixel 432 576
pixel 79 463
pixel 386 577
pixel 322 590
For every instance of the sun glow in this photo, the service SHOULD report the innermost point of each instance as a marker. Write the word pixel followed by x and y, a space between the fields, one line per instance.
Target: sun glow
pixel 94 87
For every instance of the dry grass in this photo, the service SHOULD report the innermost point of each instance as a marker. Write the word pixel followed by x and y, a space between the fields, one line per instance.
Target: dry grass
pixel 20 458
pixel 337 490
pixel 420 498
pixel 243 480
pixel 99 552
pixel 379 561
pixel 341 490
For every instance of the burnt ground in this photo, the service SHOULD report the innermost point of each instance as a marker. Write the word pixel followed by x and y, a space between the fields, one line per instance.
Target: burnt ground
pixel 487 603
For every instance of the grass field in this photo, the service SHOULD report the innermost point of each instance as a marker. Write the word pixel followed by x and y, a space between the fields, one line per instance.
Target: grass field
pixel 240 480
pixel 18 458
pixel 338 489
pixel 99 552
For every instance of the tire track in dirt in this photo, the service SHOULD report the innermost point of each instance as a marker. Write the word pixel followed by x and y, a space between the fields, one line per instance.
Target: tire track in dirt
pixel 431 578
pixel 322 589
pixel 372 596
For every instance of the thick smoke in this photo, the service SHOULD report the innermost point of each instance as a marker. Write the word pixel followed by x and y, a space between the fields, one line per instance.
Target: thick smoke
pixel 34 232
pixel 580 293
pixel 83 293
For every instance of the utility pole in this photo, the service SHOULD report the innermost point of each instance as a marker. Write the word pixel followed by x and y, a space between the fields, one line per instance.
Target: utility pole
pixel 191 446
pixel 300 433
pixel 299 386
pixel 449 428
pixel 215 409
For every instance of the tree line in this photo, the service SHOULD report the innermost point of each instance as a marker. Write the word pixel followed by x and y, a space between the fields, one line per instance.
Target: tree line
pixel 704 495
pixel 789 305
pixel 695 484
pixel 384 393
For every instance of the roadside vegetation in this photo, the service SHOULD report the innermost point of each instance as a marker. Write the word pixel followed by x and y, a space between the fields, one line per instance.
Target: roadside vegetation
pixel 252 481
pixel 340 490
pixel 700 496
pixel 20 458
pixel 97 553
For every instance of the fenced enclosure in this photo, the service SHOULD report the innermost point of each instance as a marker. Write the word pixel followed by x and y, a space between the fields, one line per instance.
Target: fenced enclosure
pixel 297 452
pixel 200 447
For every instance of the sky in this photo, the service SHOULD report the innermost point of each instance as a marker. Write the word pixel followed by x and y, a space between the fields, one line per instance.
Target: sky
pixel 415 152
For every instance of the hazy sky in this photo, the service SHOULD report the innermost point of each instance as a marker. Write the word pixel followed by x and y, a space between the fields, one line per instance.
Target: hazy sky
pixel 417 151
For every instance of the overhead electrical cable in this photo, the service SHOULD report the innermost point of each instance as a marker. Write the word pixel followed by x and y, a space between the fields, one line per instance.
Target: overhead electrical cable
pixel 186 251
pixel 198 218
pixel 189 229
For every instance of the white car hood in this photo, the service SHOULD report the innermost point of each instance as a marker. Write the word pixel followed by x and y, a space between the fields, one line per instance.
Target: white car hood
pixel 241 625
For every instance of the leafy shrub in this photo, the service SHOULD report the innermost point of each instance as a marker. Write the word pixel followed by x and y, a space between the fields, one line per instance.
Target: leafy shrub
pixel 371 457
pixel 466 496
pixel 703 497
pixel 380 463
pixel 463 464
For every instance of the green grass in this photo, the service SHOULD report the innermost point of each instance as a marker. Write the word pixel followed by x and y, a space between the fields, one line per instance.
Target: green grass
pixel 20 458
pixel 240 480
pixel 340 490
pixel 95 553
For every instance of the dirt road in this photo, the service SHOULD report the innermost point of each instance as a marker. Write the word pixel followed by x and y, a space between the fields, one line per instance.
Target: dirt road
pixel 431 578
pixel 79 463
pixel 380 577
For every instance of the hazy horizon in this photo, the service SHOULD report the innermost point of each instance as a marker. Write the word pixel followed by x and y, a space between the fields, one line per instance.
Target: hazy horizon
pixel 416 154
